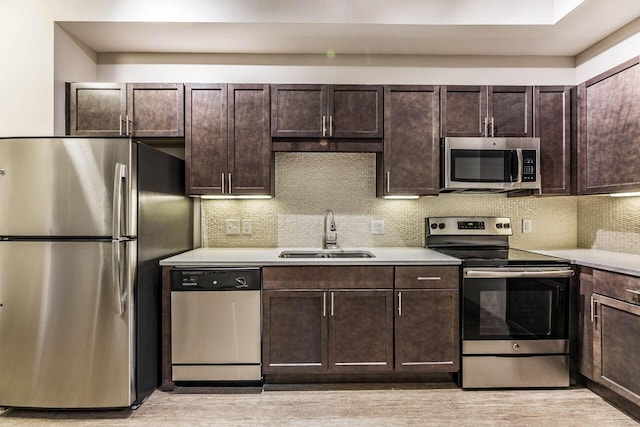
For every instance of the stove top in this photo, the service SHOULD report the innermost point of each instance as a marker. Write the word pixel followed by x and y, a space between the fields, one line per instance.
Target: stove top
pixel 480 241
pixel 499 256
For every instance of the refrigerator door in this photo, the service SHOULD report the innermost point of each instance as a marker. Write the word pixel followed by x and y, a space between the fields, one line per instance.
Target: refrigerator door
pixel 63 186
pixel 66 317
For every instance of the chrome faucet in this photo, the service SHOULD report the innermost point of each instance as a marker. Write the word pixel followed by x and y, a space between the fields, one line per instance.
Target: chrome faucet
pixel 330 237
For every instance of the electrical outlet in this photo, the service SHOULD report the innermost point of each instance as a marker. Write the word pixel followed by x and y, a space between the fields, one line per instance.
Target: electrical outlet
pixel 246 226
pixel 233 226
pixel 377 227
pixel 527 226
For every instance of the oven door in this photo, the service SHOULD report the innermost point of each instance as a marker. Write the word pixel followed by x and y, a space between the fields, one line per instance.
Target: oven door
pixel 515 310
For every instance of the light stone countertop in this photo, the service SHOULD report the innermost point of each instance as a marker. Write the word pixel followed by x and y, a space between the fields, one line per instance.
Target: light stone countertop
pixel 617 262
pixel 244 257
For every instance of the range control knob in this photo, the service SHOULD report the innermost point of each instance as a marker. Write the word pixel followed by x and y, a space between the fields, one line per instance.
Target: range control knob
pixel 498 225
pixel 441 226
pixel 434 226
pixel 516 346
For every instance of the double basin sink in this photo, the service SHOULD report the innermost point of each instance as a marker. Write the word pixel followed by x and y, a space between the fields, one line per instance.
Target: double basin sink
pixel 326 254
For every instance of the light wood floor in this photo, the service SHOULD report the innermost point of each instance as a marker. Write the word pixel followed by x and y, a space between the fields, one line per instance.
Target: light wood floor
pixel 339 406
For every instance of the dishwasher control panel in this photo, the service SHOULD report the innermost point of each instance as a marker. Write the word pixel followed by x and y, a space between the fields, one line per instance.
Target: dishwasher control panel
pixel 215 279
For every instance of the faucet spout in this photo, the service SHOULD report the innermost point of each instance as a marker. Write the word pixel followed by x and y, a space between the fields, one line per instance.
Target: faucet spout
pixel 330 236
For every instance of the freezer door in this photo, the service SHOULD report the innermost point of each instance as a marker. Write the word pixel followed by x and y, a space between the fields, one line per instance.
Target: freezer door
pixel 63 186
pixel 66 324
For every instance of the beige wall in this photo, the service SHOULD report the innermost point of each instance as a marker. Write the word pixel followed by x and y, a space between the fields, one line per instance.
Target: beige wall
pixel 309 183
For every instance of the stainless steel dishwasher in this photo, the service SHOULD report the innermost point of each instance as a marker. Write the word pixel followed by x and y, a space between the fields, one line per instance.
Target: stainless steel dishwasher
pixel 216 324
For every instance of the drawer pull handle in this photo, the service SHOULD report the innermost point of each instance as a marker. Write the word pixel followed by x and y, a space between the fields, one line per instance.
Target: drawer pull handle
pixel 429 278
pixel 633 291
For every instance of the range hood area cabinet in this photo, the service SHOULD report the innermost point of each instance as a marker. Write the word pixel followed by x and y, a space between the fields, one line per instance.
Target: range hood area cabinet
pixel 409 164
pixel 325 114
pixel 125 109
pixel 487 111
pixel 609 131
pixel 227 143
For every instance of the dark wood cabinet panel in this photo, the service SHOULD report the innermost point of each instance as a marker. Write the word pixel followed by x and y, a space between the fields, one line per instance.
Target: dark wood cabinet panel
pixel 344 329
pixel 250 160
pixel 410 164
pixel 427 277
pixel 138 109
pixel 206 138
pixel 585 325
pixel 616 349
pixel 227 144
pixel 552 125
pixel 361 331
pixel 325 111
pixel 427 336
pixel 327 277
pixel 609 131
pixel 478 111
pixel 510 111
pixel 156 109
pixel 294 332
pixel 355 111
pixel 96 109
pixel 464 110
pixel 298 110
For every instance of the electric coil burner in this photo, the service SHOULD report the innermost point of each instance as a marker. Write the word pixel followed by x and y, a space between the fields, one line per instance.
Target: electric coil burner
pixel 514 305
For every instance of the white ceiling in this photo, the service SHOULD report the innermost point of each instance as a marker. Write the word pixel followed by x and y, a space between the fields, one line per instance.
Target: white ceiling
pixel 546 33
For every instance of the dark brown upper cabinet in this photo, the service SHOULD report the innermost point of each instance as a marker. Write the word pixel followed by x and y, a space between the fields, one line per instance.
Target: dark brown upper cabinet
pixel 552 124
pixel 487 111
pixel 326 111
pixel 227 144
pixel 119 109
pixel 609 131
pixel 410 162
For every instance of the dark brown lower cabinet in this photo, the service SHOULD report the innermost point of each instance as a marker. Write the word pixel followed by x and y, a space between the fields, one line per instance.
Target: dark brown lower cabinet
pixel 327 331
pixel 616 349
pixel 427 333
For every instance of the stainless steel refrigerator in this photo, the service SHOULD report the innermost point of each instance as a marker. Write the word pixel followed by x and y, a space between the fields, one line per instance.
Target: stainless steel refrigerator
pixel 83 224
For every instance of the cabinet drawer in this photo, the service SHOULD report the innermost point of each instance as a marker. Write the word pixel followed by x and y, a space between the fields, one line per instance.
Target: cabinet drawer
pixel 618 286
pixel 330 277
pixel 424 277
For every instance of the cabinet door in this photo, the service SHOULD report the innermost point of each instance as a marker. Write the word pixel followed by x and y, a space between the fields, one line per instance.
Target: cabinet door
pixel 206 138
pixel 355 111
pixel 361 331
pixel 249 140
pixel 97 109
pixel 156 109
pixel 411 140
pixel 427 334
pixel 616 347
pixel 553 127
pixel 585 325
pixel 510 111
pixel 299 111
pixel 294 331
pixel 464 110
pixel 609 131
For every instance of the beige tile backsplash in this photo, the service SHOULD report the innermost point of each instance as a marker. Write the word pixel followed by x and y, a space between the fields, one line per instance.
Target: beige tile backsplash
pixel 609 223
pixel 309 183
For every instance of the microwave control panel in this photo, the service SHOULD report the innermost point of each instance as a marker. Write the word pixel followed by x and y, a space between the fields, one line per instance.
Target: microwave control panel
pixel 529 165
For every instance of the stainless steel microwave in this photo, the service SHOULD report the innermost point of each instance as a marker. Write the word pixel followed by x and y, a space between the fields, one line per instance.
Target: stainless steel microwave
pixel 490 164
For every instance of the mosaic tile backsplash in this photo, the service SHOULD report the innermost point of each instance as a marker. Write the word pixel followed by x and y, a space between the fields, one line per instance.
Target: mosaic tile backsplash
pixel 609 223
pixel 306 184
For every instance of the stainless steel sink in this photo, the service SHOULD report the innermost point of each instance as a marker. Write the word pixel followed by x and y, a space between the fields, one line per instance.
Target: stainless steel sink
pixel 326 254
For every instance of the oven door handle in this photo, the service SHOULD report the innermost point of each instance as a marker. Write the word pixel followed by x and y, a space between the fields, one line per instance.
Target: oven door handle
pixel 496 274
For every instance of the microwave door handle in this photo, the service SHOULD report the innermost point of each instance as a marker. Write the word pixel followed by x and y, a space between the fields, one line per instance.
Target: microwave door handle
pixel 520 165
pixel 513 163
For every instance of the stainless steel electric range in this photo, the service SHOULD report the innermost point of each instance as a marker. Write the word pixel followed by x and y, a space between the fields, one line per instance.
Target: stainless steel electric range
pixel 514 305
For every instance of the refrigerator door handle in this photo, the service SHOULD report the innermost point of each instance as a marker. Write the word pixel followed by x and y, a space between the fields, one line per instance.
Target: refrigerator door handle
pixel 120 175
pixel 117 275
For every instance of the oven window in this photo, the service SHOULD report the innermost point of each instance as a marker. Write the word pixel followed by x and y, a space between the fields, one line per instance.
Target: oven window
pixel 481 165
pixel 514 309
